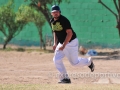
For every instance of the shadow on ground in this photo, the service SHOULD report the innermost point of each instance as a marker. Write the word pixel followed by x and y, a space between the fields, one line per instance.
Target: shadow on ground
pixel 115 55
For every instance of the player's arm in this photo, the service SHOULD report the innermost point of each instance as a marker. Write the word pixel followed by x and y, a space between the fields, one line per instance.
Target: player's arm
pixel 55 38
pixel 55 41
pixel 68 37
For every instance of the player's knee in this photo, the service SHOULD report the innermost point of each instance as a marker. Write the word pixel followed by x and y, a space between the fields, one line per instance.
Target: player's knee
pixel 56 61
pixel 73 63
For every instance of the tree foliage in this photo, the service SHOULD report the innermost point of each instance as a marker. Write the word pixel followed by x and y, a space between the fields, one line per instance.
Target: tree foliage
pixel 28 14
pixel 9 26
pixel 12 23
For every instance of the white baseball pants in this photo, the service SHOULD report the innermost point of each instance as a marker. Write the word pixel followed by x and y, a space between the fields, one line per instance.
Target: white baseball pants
pixel 71 52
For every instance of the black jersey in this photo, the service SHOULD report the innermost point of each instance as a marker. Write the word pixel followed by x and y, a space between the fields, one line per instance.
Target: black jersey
pixel 60 26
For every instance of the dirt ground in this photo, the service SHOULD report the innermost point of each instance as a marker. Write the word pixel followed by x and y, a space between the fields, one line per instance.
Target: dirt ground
pixel 35 67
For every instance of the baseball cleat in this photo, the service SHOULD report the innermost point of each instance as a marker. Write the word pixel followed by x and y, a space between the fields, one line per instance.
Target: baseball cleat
pixel 92 66
pixel 65 81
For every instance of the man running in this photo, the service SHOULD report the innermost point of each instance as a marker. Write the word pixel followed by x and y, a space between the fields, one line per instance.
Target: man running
pixel 65 44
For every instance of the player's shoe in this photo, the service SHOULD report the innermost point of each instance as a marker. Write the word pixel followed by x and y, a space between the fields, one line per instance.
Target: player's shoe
pixel 65 81
pixel 92 66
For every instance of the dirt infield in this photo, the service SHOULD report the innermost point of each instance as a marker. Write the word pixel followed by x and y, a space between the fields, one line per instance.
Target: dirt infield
pixel 34 67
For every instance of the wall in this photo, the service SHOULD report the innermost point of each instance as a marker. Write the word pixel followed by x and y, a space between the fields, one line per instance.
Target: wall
pixel 94 25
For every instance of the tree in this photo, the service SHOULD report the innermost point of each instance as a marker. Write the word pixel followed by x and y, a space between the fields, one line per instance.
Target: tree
pixel 28 14
pixel 117 6
pixel 39 21
pixel 43 6
pixel 9 26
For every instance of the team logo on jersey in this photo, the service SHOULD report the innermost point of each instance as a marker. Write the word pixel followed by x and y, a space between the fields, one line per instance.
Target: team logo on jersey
pixel 57 27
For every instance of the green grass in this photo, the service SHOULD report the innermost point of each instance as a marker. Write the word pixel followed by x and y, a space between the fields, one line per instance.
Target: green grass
pixel 61 87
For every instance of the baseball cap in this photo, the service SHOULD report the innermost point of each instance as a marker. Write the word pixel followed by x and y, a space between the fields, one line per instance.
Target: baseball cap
pixel 55 8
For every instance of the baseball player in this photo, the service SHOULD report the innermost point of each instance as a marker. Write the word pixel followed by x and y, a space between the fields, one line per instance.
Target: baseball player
pixel 65 44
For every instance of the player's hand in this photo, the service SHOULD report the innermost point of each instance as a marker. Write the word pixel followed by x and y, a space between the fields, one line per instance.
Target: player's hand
pixel 54 47
pixel 62 47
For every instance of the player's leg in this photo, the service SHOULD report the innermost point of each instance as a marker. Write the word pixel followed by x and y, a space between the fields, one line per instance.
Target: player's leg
pixel 71 51
pixel 58 56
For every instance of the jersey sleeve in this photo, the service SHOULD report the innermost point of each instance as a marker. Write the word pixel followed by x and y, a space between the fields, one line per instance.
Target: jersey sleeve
pixel 67 24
